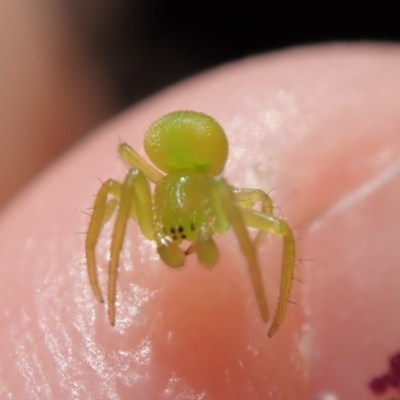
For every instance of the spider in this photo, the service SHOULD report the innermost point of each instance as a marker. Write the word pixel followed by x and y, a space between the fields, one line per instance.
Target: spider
pixel 190 202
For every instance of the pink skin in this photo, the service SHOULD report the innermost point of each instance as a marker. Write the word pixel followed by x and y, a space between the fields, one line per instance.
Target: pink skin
pixel 321 126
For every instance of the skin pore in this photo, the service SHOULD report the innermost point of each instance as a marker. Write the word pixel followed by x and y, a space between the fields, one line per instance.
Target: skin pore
pixel 318 125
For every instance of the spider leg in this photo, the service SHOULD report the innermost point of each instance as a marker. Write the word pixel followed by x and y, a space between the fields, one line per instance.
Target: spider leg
pixel 246 198
pixel 130 156
pixel 171 254
pixel 109 210
pixel 135 192
pixel 205 248
pixel 271 224
pixel 227 214
pixel 101 212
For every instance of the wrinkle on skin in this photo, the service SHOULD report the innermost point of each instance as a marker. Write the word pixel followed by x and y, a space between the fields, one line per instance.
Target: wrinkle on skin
pixel 357 292
pixel 359 193
pixel 198 333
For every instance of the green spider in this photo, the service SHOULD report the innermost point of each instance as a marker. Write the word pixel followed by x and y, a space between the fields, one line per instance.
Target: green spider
pixel 190 202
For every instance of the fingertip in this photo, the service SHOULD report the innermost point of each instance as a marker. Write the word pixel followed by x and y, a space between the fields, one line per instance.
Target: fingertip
pixel 199 331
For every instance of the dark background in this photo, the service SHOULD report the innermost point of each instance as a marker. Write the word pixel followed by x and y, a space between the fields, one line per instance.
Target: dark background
pixel 69 66
pixel 148 44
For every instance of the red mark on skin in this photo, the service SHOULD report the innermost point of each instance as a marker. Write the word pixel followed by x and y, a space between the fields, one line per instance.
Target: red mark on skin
pixel 395 364
pixel 382 384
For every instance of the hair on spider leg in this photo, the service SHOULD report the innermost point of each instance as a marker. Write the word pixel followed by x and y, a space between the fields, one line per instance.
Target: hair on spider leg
pixel 292 302
pixel 84 212
pixel 82 264
pixel 303 261
pixel 295 229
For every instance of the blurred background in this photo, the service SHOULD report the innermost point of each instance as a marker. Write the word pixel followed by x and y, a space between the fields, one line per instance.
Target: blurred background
pixel 66 66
